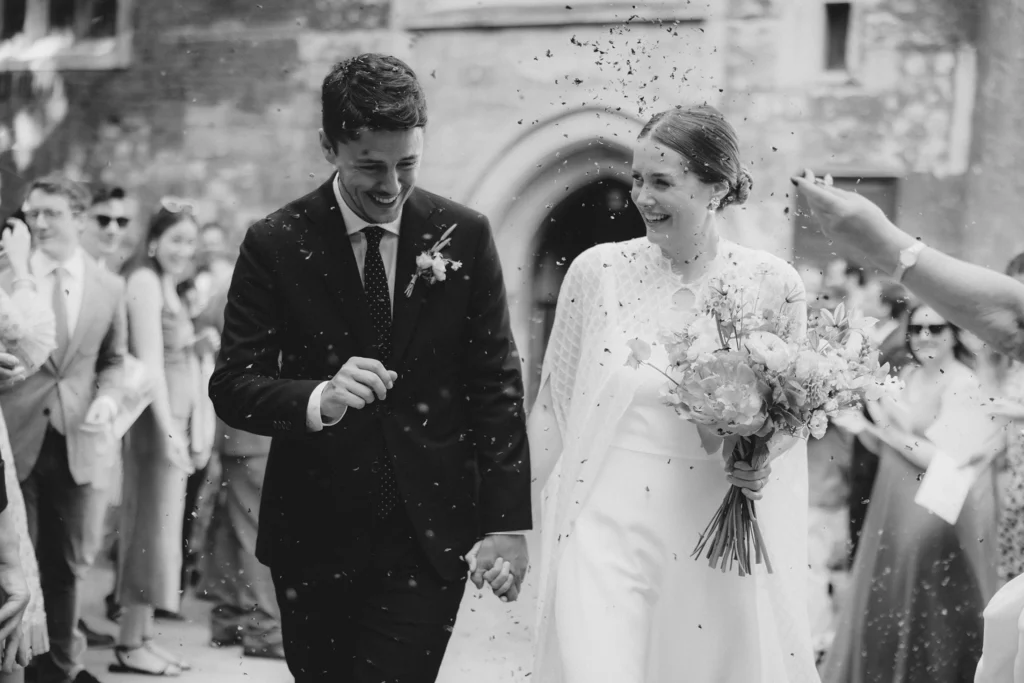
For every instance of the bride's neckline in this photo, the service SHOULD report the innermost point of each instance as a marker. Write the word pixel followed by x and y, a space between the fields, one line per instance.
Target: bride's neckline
pixel 667 266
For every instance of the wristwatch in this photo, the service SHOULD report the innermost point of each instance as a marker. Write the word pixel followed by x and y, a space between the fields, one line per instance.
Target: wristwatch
pixel 907 259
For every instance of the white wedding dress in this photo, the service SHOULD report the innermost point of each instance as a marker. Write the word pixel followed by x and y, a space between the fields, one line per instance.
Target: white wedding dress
pixel 621 598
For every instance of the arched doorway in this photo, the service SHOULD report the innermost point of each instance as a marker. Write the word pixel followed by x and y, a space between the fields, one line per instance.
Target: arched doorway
pixel 595 213
pixel 548 169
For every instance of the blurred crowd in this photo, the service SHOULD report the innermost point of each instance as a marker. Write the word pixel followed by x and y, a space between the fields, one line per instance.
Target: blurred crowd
pixel 110 321
pixel 898 592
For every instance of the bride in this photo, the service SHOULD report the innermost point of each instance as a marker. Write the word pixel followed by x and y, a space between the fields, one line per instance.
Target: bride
pixel 631 486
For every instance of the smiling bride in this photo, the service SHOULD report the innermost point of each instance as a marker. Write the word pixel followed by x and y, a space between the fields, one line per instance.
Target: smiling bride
pixel 631 485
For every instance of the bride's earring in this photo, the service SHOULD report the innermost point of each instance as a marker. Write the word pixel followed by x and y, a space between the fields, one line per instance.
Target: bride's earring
pixel 713 206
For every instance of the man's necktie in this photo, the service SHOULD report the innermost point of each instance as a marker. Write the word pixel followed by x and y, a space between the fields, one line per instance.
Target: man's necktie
pixel 375 282
pixel 60 314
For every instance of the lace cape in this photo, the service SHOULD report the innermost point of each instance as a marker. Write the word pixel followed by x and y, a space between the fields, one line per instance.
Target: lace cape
pixel 613 293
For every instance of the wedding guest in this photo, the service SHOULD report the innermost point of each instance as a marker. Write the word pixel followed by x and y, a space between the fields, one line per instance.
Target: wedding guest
pixel 201 487
pixel 863 462
pixel 245 609
pixel 987 303
pixel 1011 521
pixel 28 331
pixel 919 584
pixel 77 390
pixel 109 219
pixel 215 262
pixel 157 454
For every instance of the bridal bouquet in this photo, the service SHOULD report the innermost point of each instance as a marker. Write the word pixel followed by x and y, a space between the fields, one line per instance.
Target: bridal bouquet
pixel 738 369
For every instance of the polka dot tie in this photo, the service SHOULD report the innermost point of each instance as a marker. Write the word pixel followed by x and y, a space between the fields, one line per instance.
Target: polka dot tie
pixel 375 281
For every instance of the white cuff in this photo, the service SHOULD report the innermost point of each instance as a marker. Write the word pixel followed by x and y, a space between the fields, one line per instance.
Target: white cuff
pixel 505 533
pixel 314 420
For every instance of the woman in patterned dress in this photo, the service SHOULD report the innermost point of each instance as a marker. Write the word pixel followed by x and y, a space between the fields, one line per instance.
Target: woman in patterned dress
pixel 27 331
pixel 1011 518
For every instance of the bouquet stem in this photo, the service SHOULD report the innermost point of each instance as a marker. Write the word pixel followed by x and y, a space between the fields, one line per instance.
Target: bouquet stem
pixel 734 528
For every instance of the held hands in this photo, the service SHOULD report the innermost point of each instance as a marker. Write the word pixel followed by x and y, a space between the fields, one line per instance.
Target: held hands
pixel 359 382
pixel 500 560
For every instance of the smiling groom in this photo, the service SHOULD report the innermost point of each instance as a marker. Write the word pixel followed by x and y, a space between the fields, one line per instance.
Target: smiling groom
pixel 392 392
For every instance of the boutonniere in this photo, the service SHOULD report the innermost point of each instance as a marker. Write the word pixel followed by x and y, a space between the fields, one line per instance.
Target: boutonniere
pixel 432 265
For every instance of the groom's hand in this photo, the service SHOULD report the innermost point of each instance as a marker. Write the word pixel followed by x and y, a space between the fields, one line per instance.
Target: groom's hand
pixel 359 382
pixel 500 560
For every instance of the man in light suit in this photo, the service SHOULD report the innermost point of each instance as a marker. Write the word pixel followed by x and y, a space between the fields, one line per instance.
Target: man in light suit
pixel 79 386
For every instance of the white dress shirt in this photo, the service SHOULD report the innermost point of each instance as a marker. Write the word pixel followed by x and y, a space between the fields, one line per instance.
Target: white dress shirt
pixel 389 253
pixel 44 269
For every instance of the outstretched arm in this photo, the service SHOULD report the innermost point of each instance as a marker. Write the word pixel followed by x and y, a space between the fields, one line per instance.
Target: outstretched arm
pixel 989 304
pixel 247 389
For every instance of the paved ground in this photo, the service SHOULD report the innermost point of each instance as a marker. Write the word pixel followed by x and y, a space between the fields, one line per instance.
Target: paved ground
pixel 490 642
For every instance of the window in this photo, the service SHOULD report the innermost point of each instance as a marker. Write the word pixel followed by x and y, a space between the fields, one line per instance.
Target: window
pixel 837 34
pixel 72 34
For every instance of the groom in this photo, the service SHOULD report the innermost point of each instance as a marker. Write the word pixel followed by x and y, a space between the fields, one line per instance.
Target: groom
pixel 396 415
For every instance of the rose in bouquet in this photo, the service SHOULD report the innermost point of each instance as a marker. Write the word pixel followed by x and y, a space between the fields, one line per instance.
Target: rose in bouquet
pixel 741 368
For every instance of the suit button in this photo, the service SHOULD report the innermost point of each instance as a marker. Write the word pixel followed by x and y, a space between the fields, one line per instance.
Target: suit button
pixel 375 467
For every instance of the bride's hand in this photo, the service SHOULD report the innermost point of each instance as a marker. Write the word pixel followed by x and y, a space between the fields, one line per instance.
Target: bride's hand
pixel 751 482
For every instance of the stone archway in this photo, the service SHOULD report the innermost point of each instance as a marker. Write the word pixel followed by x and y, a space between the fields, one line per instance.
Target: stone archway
pixel 531 177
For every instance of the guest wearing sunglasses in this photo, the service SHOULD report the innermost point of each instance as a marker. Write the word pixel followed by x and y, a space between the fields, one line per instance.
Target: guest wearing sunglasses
pixel 919 584
pixel 109 220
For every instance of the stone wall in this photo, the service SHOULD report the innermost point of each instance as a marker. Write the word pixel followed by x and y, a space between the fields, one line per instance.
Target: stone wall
pixel 221 102
pixel 993 228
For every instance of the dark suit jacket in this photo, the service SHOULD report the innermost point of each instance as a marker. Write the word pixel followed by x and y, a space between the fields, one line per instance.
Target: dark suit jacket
pixel 453 423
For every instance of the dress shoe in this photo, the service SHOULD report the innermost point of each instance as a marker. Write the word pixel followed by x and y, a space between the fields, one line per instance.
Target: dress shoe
pixel 274 651
pixel 85 677
pixel 95 639
pixel 167 615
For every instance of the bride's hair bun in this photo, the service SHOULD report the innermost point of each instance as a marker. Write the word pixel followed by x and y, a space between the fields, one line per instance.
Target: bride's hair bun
pixel 739 192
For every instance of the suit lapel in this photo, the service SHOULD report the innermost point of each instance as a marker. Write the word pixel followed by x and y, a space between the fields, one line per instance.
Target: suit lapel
pixel 331 254
pixel 90 292
pixel 416 235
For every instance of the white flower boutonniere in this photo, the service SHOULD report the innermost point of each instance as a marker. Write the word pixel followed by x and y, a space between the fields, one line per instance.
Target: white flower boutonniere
pixel 432 265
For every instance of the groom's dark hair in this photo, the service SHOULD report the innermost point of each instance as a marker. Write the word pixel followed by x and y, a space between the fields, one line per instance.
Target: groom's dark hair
pixel 374 92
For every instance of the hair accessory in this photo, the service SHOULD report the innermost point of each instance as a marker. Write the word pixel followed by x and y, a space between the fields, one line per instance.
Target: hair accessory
pixel 177 205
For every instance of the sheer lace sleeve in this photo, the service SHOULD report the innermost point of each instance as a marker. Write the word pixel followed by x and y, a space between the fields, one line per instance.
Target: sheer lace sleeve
pixel 564 349
pixel 27 328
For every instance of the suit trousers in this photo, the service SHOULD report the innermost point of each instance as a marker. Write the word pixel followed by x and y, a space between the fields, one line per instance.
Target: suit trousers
pixel 64 519
pixel 388 622
pixel 245 605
